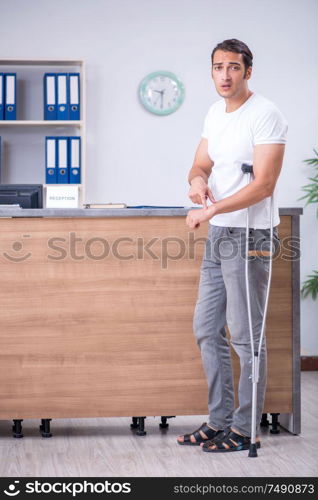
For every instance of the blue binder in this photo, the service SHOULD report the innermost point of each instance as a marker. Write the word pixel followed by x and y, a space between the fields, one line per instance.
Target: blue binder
pixel 50 160
pixel 63 112
pixel 75 160
pixel 1 96
pixel 62 160
pixel 10 92
pixel 50 101
pixel 74 94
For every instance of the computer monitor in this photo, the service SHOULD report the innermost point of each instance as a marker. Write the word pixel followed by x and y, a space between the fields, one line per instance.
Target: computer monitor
pixel 25 195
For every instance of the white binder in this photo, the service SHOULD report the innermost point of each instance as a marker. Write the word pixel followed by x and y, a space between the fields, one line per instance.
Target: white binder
pixel 62 97
pixel 62 158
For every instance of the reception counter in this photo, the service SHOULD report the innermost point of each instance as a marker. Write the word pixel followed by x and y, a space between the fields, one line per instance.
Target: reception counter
pixel 97 308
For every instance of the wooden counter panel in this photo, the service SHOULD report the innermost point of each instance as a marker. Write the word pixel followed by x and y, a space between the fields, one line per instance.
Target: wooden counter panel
pixel 90 334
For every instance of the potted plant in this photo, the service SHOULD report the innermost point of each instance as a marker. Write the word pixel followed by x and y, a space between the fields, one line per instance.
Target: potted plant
pixel 310 286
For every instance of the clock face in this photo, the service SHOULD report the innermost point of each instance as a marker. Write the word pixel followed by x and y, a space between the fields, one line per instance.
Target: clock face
pixel 161 92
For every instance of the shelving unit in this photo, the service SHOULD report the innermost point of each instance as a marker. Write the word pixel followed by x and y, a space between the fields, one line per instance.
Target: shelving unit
pixel 44 123
pixel 24 157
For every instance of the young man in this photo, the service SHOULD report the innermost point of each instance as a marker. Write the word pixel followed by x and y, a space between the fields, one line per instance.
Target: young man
pixel 243 127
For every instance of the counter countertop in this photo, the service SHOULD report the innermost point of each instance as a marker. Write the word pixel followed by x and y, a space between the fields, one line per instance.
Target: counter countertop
pixel 113 212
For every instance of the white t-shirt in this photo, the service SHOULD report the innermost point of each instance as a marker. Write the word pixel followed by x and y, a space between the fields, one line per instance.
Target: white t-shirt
pixel 231 139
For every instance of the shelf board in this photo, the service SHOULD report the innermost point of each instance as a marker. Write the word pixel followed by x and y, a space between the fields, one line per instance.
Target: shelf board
pixel 40 62
pixel 41 123
pixel 55 185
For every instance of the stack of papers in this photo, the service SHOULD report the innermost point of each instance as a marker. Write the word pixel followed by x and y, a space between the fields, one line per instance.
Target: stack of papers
pixel 13 205
pixel 105 205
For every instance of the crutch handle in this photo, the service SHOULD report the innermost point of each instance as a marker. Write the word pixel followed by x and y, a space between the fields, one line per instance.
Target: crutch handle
pixel 246 168
pixel 259 253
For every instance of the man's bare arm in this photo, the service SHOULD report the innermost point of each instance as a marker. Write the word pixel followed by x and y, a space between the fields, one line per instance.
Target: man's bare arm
pixel 202 163
pixel 267 164
pixel 199 175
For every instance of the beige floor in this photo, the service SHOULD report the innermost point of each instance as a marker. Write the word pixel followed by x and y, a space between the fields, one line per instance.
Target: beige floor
pixel 107 447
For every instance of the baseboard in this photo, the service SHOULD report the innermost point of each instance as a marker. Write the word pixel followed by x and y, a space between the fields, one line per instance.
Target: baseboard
pixel 309 363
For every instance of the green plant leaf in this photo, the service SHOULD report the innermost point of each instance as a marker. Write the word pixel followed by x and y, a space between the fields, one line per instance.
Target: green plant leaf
pixel 311 161
pixel 310 286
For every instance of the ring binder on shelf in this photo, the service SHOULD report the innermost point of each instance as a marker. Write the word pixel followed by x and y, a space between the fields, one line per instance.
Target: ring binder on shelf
pixel 75 160
pixel 1 96
pixel 62 97
pixel 50 160
pixel 50 91
pixel 74 93
pixel 62 160
pixel 10 96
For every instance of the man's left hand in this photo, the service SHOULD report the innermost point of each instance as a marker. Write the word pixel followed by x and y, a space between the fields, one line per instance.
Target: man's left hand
pixel 198 215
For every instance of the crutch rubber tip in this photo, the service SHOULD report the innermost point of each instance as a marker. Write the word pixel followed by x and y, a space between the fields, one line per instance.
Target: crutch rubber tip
pixel 253 450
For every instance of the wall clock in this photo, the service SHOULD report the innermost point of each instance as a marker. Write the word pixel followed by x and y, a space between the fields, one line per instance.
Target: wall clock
pixel 161 92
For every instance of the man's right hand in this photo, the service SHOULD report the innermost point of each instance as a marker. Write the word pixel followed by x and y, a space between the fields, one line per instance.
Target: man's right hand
pixel 200 191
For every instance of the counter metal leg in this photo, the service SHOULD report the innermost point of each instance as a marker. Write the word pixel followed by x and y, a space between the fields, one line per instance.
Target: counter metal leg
pixel 164 424
pixel 45 427
pixel 134 423
pixel 275 424
pixel 141 427
pixel 17 428
pixel 264 421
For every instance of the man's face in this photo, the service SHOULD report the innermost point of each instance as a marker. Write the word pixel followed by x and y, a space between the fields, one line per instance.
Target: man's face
pixel 228 73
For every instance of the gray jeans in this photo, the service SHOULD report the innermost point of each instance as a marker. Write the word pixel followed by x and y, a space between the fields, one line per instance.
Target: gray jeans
pixel 222 300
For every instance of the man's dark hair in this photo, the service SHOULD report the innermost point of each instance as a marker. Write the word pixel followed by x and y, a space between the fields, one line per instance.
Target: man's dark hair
pixel 234 45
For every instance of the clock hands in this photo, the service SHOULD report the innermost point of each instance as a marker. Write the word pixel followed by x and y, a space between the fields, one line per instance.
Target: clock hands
pixel 155 102
pixel 161 92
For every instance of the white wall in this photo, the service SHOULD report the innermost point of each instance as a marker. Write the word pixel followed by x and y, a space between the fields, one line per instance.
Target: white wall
pixel 139 158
